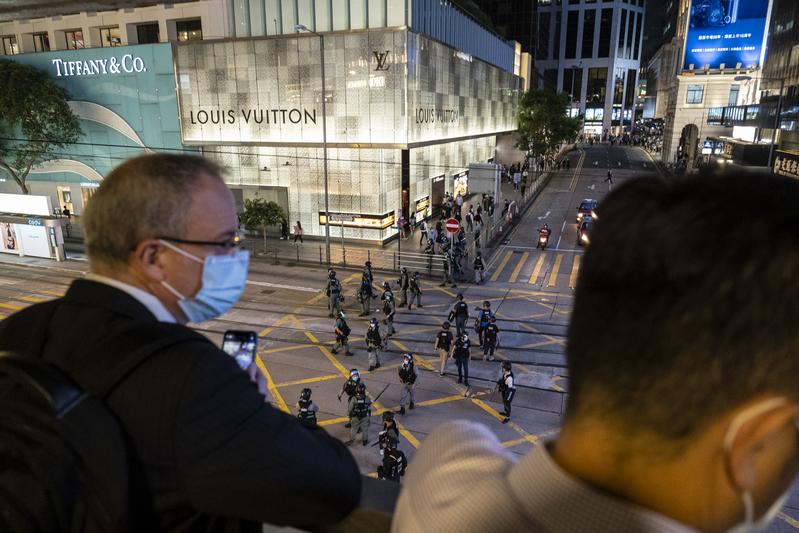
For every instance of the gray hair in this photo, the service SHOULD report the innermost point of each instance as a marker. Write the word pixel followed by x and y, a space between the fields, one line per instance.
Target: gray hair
pixel 143 198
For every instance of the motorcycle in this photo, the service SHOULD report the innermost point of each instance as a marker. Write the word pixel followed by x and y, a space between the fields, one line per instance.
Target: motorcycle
pixel 543 240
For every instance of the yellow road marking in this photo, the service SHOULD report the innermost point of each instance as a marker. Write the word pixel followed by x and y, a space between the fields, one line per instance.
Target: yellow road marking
pixel 317 379
pixel 553 277
pixel 550 338
pixel 789 520
pixel 34 299
pixel 519 266
pixel 51 293
pixel 502 265
pixel 282 320
pixel 575 271
pixel 270 384
pixel 493 412
pixel 537 270
pixel 286 348
pixel 15 307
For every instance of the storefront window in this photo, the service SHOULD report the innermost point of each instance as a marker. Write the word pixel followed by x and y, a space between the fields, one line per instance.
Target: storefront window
pixel 41 42
pixel 148 33
pixel 734 90
pixel 74 39
pixel 189 30
pixel 110 36
pixel 10 46
pixel 695 94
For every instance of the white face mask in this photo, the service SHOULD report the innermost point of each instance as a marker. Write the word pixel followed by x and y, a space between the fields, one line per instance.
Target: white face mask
pixel 750 524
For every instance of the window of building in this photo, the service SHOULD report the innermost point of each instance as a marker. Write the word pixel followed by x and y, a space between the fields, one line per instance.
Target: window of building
pixel 622 27
pixel 734 90
pixel 571 34
pixel 556 40
pixel 590 1
pixel 574 1
pixel 605 27
pixel 189 30
pixel 597 81
pixel 588 33
pixel 110 36
pixel 550 79
pixel 74 39
pixel 148 33
pixel 573 82
pixel 695 95
pixel 637 43
pixel 10 46
pixel 542 50
pixel 618 86
pixel 41 42
pixel 629 93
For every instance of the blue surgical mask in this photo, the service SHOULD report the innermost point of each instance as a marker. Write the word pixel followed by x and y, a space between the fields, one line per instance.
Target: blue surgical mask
pixel 223 281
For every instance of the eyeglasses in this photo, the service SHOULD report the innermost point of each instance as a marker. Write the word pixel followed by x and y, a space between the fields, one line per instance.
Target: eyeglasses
pixel 232 242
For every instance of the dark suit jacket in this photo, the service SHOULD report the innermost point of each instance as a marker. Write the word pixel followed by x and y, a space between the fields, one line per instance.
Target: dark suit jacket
pixel 215 456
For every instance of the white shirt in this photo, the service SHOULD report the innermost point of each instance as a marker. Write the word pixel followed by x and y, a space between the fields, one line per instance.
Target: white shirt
pixel 463 481
pixel 148 300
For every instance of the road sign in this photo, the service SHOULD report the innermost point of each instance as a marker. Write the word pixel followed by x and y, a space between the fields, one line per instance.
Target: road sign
pixel 453 225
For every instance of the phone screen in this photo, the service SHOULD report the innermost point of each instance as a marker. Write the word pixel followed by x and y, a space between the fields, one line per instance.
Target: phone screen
pixel 240 345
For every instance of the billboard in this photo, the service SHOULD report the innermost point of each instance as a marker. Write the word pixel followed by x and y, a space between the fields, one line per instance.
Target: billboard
pixel 726 31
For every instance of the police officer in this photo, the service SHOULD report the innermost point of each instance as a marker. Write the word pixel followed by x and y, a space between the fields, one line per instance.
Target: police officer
pixel 349 387
pixel 479 268
pixel 408 374
pixel 447 271
pixel 507 389
pixel 456 268
pixel 374 343
pixel 306 409
pixel 404 283
pixel 460 314
pixel 429 252
pixel 367 276
pixel 416 291
pixel 333 292
pixel 462 355
pixel 443 346
pixel 490 339
pixel 394 462
pixel 359 415
pixel 365 296
pixel 389 308
pixel 390 431
pixel 342 334
pixel 483 316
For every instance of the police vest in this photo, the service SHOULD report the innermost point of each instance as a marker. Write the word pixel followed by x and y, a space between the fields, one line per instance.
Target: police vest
pixel 361 408
pixel 305 414
pixel 461 309
pixel 406 374
pixel 373 336
pixel 395 460
pixel 349 387
pixel 334 286
pixel 485 314
pixel 503 383
pixel 490 332
pixel 444 340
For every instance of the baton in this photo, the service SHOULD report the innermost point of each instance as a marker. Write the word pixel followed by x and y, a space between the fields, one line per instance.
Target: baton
pixel 381 393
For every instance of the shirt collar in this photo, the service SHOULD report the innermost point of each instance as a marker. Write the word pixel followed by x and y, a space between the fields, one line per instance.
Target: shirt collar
pixel 148 300
pixel 560 502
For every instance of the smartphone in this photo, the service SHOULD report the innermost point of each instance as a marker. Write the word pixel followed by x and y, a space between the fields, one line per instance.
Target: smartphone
pixel 240 345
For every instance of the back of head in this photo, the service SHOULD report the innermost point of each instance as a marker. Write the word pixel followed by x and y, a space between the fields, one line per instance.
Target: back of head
pixel 145 197
pixel 687 303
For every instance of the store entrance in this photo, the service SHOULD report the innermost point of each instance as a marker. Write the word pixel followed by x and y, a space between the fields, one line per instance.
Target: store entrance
pixel 65 198
pixel 437 189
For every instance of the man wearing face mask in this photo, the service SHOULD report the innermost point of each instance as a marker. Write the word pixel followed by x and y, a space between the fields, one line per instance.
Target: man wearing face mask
pixel 210 454
pixel 683 354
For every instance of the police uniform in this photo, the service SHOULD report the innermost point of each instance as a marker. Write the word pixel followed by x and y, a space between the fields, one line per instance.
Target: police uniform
pixel 306 412
pixel 460 313
pixel 408 374
pixel 482 322
pixel 443 346
pixel 479 269
pixel 447 271
pixel 389 308
pixel 462 356
pixel 365 296
pixel 390 431
pixel 333 292
pixel 393 467
pixel 507 389
pixel 490 338
pixel 416 291
pixel 374 343
pixel 359 418
pixel 349 388
pixel 342 335
pixel 404 282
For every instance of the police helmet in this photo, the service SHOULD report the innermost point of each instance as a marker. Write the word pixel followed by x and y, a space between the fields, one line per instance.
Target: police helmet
pixel 332 273
pixel 459 296
pixel 354 374
pixel 415 274
pixel 408 357
pixel 479 254
pixel 386 285
pixel 388 415
pixel 505 365
pixel 446 255
pixel 546 226
pixel 305 394
pixel 445 325
pixel 373 322
pixel 342 314
pixel 404 269
pixel 465 336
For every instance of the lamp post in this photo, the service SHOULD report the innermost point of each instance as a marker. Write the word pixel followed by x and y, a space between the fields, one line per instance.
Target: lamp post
pixel 302 27
pixel 776 116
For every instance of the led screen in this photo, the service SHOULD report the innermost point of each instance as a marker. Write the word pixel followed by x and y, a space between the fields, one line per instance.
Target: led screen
pixel 725 31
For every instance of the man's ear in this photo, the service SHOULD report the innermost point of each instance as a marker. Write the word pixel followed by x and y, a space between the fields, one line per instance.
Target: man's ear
pixel 753 438
pixel 147 258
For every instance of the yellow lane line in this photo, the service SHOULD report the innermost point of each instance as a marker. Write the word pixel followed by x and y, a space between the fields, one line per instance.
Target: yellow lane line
pixel 34 299
pixel 550 338
pixel 789 520
pixel 286 348
pixel 15 307
pixel 519 266
pixel 537 344
pixel 502 265
pixel 51 293
pixel 308 380
pixel 575 271
pixel 553 277
pixel 270 384
pixel 282 320
pixel 537 270
pixel 493 412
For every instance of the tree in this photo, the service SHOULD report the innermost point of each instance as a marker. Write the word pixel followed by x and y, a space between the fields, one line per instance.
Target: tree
pixel 35 120
pixel 544 122
pixel 260 214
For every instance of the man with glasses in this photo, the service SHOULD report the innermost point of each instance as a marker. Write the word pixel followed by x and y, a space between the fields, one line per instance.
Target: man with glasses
pixel 161 236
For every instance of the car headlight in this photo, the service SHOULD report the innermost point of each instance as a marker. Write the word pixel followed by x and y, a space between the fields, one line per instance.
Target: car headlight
pixel 584 237
pixel 593 215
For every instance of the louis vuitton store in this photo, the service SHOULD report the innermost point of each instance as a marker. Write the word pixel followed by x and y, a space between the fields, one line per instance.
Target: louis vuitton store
pixel 406 115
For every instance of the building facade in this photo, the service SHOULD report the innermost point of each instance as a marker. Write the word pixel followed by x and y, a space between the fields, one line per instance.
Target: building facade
pixel 591 50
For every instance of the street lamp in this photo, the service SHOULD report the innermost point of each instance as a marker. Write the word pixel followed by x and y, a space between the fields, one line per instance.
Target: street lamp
pixel 299 28
pixel 776 117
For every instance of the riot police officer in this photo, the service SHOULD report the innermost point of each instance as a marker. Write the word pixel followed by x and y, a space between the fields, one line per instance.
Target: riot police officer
pixel 462 355
pixel 490 339
pixel 483 316
pixel 359 410
pixel 333 292
pixel 342 334
pixel 389 308
pixel 394 462
pixel 404 283
pixel 306 409
pixel 447 276
pixel 374 343
pixel 349 387
pixel 479 268
pixel 455 262
pixel 365 296
pixel 507 389
pixel 443 346
pixel 367 272
pixel 408 374
pixel 460 314
pixel 390 431
pixel 416 291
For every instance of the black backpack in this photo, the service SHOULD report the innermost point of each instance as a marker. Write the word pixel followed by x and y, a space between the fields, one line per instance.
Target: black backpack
pixel 66 463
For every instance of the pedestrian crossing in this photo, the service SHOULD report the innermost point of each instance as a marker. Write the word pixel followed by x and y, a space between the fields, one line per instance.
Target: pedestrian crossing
pixel 549 269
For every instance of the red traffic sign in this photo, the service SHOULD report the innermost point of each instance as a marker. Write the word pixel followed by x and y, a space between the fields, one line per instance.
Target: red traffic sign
pixel 453 225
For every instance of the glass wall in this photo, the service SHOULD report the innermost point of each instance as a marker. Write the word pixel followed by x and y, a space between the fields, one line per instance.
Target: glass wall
pixel 605 27
pixel 571 34
pixel 588 33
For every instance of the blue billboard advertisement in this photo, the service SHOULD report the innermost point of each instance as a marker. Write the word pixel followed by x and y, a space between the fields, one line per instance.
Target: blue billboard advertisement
pixel 726 31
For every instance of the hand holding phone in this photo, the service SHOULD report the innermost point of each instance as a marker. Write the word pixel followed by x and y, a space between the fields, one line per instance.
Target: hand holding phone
pixel 241 345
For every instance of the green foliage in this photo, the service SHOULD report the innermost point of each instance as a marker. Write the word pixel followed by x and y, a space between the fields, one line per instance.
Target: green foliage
pixel 35 120
pixel 544 122
pixel 260 214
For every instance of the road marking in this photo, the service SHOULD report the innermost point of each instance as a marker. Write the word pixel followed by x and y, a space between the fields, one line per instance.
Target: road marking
pixel 537 270
pixel 553 277
pixel 15 307
pixel 282 320
pixel 279 286
pixel 519 266
pixel 317 379
pixel 270 384
pixel 34 299
pixel 502 265
pixel 545 216
pixel 575 271
pixel 789 520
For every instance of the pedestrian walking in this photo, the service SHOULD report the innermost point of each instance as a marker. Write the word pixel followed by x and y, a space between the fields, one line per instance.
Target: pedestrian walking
pixel 389 309
pixel 342 334
pixel 306 409
pixel 524 186
pixel 490 339
pixel 408 374
pixel 349 388
pixel 470 219
pixel 459 201
pixel 609 178
pixel 478 231
pixel 416 291
pixel 360 412
pixel 298 232
pixel 460 314
pixel 424 231
pixel 404 284
pixel 284 229
pixel 481 321
pixel 443 346
pixel 507 389
pixel 394 462
pixel 374 344
pixel 479 268
pixel 412 221
pixel 462 355
pixel 333 292
pixel 505 208
pixel 365 296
